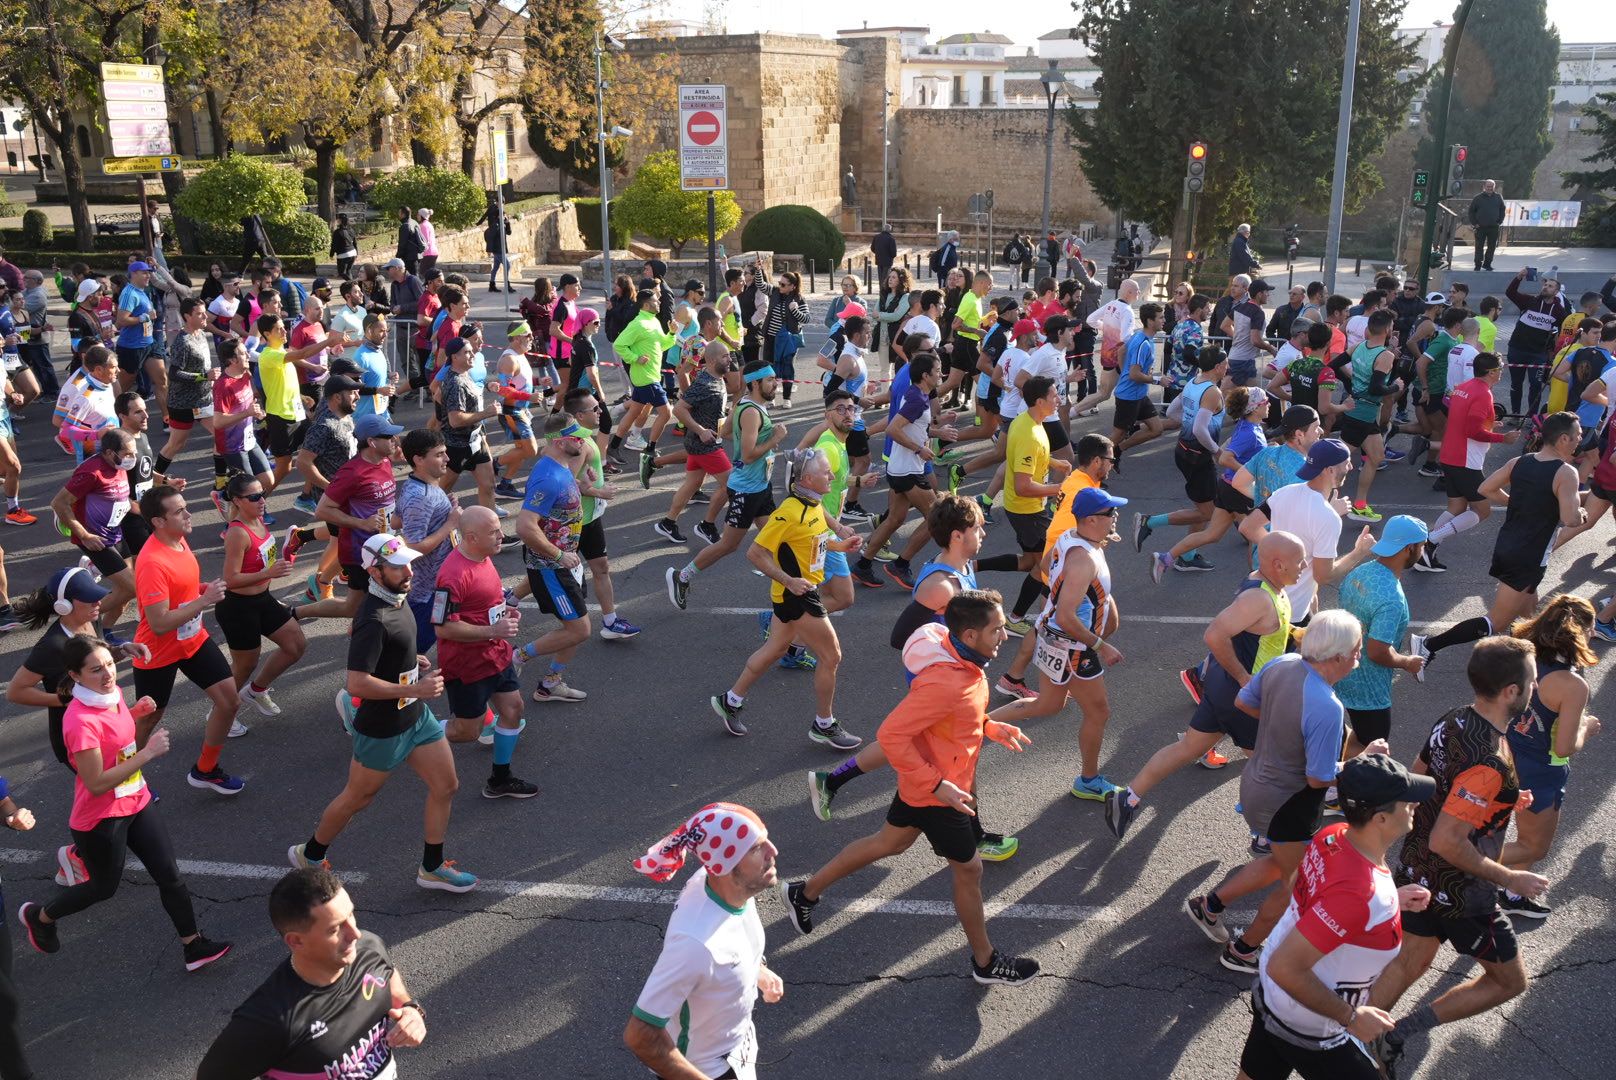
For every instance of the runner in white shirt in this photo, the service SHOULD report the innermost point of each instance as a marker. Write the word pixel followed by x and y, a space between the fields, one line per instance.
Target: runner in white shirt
pixel 1113 323
pixel 695 1012
pixel 1462 357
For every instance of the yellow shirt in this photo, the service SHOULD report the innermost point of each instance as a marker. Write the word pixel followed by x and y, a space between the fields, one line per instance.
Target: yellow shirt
pixel 280 384
pixel 1063 520
pixel 1026 451
pixel 795 535
pixel 969 313
pixel 1488 337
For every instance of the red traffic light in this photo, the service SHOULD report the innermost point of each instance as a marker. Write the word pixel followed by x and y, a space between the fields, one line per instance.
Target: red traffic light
pixel 1197 151
pixel 1460 153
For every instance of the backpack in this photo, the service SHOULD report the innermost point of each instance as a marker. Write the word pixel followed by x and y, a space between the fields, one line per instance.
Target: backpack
pixel 935 265
pixel 1015 252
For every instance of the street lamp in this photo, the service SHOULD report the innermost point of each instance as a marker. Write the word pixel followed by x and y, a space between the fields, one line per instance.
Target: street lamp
pixel 1053 81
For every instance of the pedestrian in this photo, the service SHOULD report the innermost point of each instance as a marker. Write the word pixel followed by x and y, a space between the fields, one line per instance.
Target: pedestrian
pixel 1242 260
pixel 344 247
pixel 429 239
pixel 885 249
pixel 497 242
pixel 254 241
pixel 410 245
pixel 782 330
pixel 1485 215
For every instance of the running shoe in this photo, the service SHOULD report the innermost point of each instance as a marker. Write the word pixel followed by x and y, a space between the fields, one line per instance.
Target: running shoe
pixel 615 462
pixel 1523 906
pixel 1194 564
pixel 1605 631
pixel 798 660
pixel 316 590
pixel 1427 563
pixel 668 529
pixel 635 441
pixel 835 736
pixel 507 490
pixel 765 621
pixel 1119 813
pixel 510 598
pixel 1094 788
pixel 1417 448
pixel 986 504
pixel 1395 455
pixel 865 575
pixel 707 531
pixel 1387 1052
pixel 8 619
pixel 799 909
pixel 678 587
pixel 1240 959
pixel 1402 415
pixel 292 544
pixel 70 868
pixel 269 520
pixel 445 878
pixel 18 516
pixel 903 575
pixel 42 935
pixel 700 498
pixel 219 504
pixel 200 952
pixel 1017 627
pixel 1004 970
pixel 851 514
pixel 216 780
pixel 547 692
pixel 512 787
pixel 1013 687
pixel 820 795
pixel 305 503
pixel 647 467
pixel 886 554
pixel 1385 463
pixel 1212 760
pixel 996 847
pixel 237 730
pixel 1417 647
pixel 956 477
pixel 619 629
pixel 260 700
pixel 300 861
pixel 501 512
pixel 345 709
pixel 1195 908
pixel 65 444
pixel 1363 512
pixel 730 714
pixel 1260 846
pixel 1430 471
pixel 1160 562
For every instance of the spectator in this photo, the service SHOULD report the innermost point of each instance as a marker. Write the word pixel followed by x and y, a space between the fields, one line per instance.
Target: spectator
pixel 1242 260
pixel 344 247
pixel 254 241
pixel 429 239
pixel 410 244
pixel 1486 215
pixel 885 250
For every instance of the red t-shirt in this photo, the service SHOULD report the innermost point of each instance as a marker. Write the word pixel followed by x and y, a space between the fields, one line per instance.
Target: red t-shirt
pixel 305 334
pixel 1038 311
pixel 100 498
pixel 111 731
pixel 448 330
pixel 360 489
pixel 162 573
pixel 425 311
pixel 476 597
pixel 1470 425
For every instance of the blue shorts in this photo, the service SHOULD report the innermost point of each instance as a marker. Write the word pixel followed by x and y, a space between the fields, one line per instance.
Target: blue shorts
pixel 1546 782
pixel 836 565
pixel 1217 712
pixel 385 755
pixel 1243 374
pixel 649 394
pixel 517 425
pixel 6 431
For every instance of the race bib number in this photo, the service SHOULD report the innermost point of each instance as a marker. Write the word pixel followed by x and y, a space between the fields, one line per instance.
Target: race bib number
pixel 249 439
pixel 189 629
pixel 268 551
pixel 496 613
pixel 817 566
pixel 135 782
pixel 476 440
pixel 298 412
pixel 578 573
pixel 408 678
pixel 119 511
pixel 1054 659
pixel 140 489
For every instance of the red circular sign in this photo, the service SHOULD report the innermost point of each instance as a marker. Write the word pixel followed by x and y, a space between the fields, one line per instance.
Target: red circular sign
pixel 704 128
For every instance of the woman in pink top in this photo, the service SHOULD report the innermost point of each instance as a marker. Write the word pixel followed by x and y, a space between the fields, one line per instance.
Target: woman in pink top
pixel 113 812
pixel 429 240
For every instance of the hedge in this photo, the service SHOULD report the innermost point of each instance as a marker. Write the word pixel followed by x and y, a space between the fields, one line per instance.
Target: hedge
pixel 791 229
pixel 589 224
pixel 456 200
pixel 301 234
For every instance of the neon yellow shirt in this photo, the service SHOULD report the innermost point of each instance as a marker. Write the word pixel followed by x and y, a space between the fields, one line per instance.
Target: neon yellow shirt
pixel 1026 451
pixel 280 384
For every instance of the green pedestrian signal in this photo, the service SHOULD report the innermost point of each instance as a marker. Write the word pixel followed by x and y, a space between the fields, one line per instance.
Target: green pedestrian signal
pixel 1419 197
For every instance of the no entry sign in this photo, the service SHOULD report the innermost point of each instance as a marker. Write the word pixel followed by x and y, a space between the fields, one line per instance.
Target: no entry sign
pixel 703 138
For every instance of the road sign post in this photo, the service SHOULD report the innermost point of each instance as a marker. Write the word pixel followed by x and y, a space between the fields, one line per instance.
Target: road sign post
pixel 137 125
pixel 704 156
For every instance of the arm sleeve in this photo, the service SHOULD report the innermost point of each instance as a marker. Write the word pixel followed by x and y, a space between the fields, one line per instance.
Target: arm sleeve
pixel 1471 797
pixel 244 1049
pixel 681 966
pixel 1377 381
pixel 1203 430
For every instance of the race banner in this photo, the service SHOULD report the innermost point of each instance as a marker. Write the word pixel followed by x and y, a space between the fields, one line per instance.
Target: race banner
pixel 1534 214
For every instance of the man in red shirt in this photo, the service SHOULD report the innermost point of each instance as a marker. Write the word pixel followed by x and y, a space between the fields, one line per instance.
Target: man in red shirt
pixel 360 502
pixel 1469 433
pixel 475 629
pixel 168 588
pixel 425 313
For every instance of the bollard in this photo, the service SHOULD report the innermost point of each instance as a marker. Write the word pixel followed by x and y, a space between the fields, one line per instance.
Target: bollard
pixel 866 273
pixel 1357 268
pixel 813 284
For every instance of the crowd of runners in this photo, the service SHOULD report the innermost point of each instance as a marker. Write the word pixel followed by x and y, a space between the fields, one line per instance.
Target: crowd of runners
pixel 1367 865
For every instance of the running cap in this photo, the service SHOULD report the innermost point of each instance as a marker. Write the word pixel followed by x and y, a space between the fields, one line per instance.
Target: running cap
pixel 1023 327
pixel 1091 501
pixel 336 384
pixel 720 834
pixel 375 426
pixel 387 548
pixel 393 264
pixel 1436 298
pixel 75 583
pixel 851 310
pixel 694 286
pixel 1377 780
pixel 1260 286
pixel 1400 532
pixel 319 283
pixel 343 366
pixel 1322 455
pixel 138 266
pixel 1297 418
pixel 88 288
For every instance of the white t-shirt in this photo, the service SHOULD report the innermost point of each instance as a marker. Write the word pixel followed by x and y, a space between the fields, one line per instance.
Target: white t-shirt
pixel 1287 352
pixel 1303 512
pixel 1461 364
pixel 924 324
pixel 1011 404
pixel 710 961
pixel 1357 328
pixel 223 307
pixel 1114 320
pixel 1046 360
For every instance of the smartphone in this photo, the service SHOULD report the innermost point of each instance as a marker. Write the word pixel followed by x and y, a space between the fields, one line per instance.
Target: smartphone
pixel 440 606
pixel 1531 273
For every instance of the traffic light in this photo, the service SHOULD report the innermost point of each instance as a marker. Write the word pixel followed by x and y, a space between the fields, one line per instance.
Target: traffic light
pixel 1195 168
pixel 1457 155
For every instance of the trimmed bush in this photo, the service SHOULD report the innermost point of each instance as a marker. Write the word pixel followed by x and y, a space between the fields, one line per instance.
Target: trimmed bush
pixel 311 189
pixel 456 200
pixel 227 190
pixel 36 229
pixel 302 233
pixel 790 229
pixel 589 224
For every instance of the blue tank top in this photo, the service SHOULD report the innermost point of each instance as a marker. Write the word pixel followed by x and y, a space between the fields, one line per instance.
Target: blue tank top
pixel 1531 734
pixel 916 614
pixel 1194 391
pixel 748 479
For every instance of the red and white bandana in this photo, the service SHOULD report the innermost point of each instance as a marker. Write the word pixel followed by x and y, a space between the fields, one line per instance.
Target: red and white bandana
pixel 720 835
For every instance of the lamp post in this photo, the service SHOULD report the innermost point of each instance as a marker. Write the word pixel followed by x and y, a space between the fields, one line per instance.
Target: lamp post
pixel 1053 80
pixel 603 42
pixel 1343 139
pixel 1439 147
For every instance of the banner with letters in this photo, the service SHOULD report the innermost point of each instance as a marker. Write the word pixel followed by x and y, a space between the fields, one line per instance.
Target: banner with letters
pixel 1535 214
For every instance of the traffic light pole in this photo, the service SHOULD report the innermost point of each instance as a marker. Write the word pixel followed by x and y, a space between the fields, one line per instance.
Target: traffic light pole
pixel 1450 55
pixel 1343 142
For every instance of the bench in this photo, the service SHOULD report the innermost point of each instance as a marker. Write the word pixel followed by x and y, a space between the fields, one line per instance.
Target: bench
pixel 112 224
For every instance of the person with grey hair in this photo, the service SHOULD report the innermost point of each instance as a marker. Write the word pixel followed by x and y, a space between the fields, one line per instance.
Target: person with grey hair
pixel 1242 260
pixel 1485 216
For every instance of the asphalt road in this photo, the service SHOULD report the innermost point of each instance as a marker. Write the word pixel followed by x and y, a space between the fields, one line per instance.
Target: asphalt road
pixel 535 973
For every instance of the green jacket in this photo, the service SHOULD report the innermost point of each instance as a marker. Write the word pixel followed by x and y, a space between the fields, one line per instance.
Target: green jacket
pixel 640 346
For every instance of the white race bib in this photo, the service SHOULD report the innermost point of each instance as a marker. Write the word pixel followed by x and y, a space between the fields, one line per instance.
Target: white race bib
pixel 189 629
pixel 496 613
pixel 578 573
pixel 817 565
pixel 119 511
pixel 409 678
pixel 135 782
pixel 1054 658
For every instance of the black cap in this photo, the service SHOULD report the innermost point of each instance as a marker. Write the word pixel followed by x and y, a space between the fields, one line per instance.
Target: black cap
pixel 1297 418
pixel 1260 286
pixel 1377 780
pixel 343 366
pixel 336 384
pixel 694 286
pixel 319 283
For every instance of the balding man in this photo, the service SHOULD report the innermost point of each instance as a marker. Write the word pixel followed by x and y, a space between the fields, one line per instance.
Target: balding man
pixel 475 630
pixel 1243 638
pixel 1486 215
pixel 1113 324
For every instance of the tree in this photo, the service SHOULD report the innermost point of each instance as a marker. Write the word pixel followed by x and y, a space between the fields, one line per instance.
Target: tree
pixel 654 205
pixel 1593 186
pixel 1172 73
pixel 1503 88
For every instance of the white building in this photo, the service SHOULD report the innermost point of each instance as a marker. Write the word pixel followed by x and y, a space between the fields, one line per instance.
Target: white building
pixel 1586 71
pixel 960 71
pixel 1061 45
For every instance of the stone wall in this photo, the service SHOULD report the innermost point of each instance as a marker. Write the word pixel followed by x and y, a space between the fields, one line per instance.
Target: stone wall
pixel 534 235
pixel 871 66
pixel 801 122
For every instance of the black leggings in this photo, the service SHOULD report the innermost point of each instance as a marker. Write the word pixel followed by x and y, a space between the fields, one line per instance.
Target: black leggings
pixel 1460 633
pixel 104 849
pixel 13 1064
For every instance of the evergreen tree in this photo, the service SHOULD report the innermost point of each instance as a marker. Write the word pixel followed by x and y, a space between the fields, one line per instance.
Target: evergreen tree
pixel 1594 185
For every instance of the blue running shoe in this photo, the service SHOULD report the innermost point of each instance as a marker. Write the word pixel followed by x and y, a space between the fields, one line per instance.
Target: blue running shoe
pixel 799 661
pixel 305 503
pixel 765 621
pixel 1094 788
pixel 269 519
pixel 445 878
pixel 619 629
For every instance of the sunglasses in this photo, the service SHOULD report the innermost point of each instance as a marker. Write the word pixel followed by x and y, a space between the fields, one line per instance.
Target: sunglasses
pixel 255 497
pixel 589 408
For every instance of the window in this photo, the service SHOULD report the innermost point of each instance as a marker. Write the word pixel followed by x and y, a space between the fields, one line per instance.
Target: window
pixel 82 137
pixel 1576 123
pixel 987 90
pixel 959 90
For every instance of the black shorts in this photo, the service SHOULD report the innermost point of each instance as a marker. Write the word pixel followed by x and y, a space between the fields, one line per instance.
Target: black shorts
pixel 790 607
pixel 1370 724
pixel 1600 492
pixel 1131 411
pixel 1268 1057
pixel 558 593
pixel 1058 438
pixel 135 534
pixel 462 460
pixel 858 443
pixel 990 403
pixel 1299 817
pixel 357 577
pixel 187 418
pixel 109 560
pixel 1354 431
pixel 250 462
pixel 1521 574
pixel 592 540
pixel 964 356
pixel 910 482
pixel 1463 483
pixel 747 507
pixel 205 668
pixel 247 619
pixel 469 700
pixel 130 361
pixel 1030 529
pixel 1489 938
pixel 1228 498
pixel 1218 714
pixel 952 835
pixel 285 436
pixel 1200 474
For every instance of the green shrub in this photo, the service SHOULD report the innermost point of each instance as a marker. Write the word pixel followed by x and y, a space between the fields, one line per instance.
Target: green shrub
pixel 589 225
pixel 311 189
pixel 301 156
pixel 8 208
pixel 36 229
pixel 456 200
pixel 790 229
pixel 227 190
pixel 302 233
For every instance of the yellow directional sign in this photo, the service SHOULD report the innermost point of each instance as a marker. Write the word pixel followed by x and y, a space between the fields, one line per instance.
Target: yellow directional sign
pixel 151 73
pixel 141 164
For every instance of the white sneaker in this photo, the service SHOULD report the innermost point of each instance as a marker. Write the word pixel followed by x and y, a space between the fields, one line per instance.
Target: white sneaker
pixel 635 441
pixel 238 729
pixel 262 702
pixel 557 691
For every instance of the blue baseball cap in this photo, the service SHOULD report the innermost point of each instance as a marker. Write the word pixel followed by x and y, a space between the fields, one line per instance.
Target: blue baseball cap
pixel 1095 500
pixel 137 267
pixel 1322 455
pixel 375 426
pixel 1400 532
pixel 75 584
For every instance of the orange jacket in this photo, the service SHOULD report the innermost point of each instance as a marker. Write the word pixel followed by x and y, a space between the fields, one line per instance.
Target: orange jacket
pixel 936 732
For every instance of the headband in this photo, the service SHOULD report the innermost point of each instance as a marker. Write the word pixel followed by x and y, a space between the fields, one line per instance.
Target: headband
pixel 760 373
pixel 720 834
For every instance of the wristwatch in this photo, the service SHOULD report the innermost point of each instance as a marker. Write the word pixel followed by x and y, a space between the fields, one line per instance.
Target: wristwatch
pixel 416 1005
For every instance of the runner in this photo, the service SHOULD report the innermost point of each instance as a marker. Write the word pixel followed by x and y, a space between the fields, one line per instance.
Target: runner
pixel 134 319
pixel 1341 927
pixel 281 369
pixel 1308 379
pixel 1199 410
pixel 966 326
pixel 1454 848
pixel 694 1015
pixel 328 445
pixel 1134 408
pixel 933 739
pixel 235 443
pixel 460 414
pixel 1113 323
pixel 1248 408
pixel 639 347
pixel 1374 594
pixel 1243 638
pixel 359 501
pixel 84 407
pixel 318 1013
pixel 10 463
pixel 90 511
pixel 377 378
pixel 142 475
pixel 909 475
pixel 513 377
pixel 1372 382
pixel 699 411
pixel 549 526
pixel 392 724
pixel 596 493
pixel 1464 457
pixel 190 382
pixel 113 810
pixel 791 551
pixel 1277 464
pixel 429 517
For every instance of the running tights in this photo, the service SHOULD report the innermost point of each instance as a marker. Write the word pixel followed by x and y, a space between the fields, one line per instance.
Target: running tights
pixel 1461 633
pixel 104 850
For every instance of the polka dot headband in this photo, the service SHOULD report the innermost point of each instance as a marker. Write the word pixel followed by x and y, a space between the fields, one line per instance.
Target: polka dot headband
pixel 719 834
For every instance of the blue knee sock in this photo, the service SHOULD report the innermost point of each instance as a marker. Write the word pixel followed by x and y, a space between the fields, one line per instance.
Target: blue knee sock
pixel 504 745
pixel 1156 521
